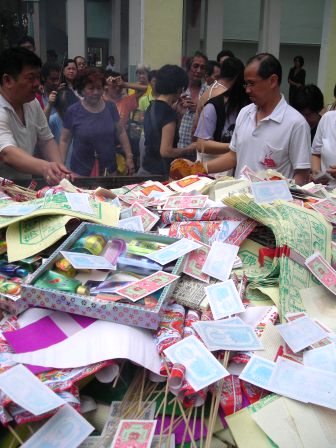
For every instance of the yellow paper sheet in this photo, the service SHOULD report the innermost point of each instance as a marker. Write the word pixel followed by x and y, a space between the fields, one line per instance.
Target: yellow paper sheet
pixel 27 238
pixel 244 429
pixel 272 292
pixel 249 253
pixel 316 425
pixel 320 304
pixel 292 424
pixel 275 420
pixel 271 341
pixel 57 204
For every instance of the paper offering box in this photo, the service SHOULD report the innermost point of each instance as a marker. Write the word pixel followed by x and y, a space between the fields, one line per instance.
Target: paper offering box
pixel 133 314
pixel 13 304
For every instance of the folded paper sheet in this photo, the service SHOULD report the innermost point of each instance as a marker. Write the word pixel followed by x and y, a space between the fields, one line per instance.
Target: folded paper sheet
pixel 100 341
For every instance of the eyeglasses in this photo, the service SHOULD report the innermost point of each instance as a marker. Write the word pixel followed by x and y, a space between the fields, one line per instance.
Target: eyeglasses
pixel 196 66
pixel 251 84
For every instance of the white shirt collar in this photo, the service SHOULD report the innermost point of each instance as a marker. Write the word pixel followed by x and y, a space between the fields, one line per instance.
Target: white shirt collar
pixel 5 103
pixel 276 115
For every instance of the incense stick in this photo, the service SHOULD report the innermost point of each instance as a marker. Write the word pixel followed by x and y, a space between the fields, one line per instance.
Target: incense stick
pixel 15 434
pixel 171 423
pixel 186 426
pixel 217 394
pixel 164 410
pixel 202 425
pixel 142 388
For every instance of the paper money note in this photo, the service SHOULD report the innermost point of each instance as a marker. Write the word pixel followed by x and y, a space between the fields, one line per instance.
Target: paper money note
pixel 26 390
pixel 301 333
pixel 66 429
pixel 322 270
pixel 149 219
pixel 326 206
pixel 258 371
pixel 173 251
pixel 147 285
pixel 270 191
pixel 194 262
pixel 183 202
pixel 117 409
pixel 217 335
pixel 224 299
pixel 134 433
pixel 202 368
pixel 251 175
pixel 79 202
pixel 220 260
pixel 85 261
pixel 132 223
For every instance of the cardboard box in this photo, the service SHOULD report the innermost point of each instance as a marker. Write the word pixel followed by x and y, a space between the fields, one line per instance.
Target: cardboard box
pixel 128 314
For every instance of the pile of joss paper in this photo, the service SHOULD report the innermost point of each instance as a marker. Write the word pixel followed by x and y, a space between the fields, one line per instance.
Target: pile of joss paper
pixel 244 354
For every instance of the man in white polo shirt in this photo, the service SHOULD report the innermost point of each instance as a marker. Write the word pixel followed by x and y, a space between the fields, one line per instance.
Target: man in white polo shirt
pixel 23 123
pixel 269 133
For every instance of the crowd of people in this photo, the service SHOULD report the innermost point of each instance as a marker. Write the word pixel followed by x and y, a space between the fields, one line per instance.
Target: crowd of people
pixel 63 120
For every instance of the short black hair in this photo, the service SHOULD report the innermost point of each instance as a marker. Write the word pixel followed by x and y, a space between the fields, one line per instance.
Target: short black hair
pixel 13 60
pixel 335 91
pixel 67 62
pixel 197 54
pixel 64 99
pixel 27 39
pixel 223 53
pixel 170 78
pixel 300 59
pixel 309 97
pixel 47 68
pixel 211 66
pixel 269 65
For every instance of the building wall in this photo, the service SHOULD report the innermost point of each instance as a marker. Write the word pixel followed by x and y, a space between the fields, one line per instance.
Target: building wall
pixel 241 19
pixel 53 28
pixel 162 32
pixel 302 21
pixel 327 69
pixel 300 32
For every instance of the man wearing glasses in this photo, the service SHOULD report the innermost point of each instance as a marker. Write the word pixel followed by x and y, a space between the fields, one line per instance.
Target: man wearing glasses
pixel 196 69
pixel 269 133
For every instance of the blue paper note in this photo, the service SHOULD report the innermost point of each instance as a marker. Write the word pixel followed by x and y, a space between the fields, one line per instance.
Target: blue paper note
pixel 202 368
pixel 258 371
pixel 270 191
pixel 28 391
pixel 66 429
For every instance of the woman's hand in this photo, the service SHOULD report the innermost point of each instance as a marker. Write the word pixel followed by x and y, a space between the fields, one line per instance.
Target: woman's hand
pixel 130 165
pixel 190 149
pixel 52 97
pixel 332 171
